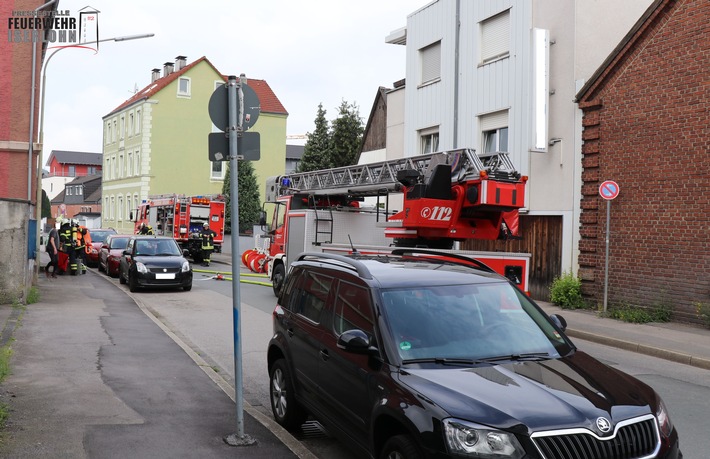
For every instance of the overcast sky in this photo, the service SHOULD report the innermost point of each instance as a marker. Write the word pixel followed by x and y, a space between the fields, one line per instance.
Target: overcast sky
pixel 309 52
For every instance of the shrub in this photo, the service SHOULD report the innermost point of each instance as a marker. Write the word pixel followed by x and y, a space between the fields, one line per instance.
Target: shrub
pixel 566 291
pixel 660 312
pixel 703 310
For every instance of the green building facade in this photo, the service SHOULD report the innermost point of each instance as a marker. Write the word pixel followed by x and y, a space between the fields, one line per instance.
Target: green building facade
pixel 155 143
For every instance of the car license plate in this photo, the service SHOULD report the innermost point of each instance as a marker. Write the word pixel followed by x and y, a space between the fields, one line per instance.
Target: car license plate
pixel 165 276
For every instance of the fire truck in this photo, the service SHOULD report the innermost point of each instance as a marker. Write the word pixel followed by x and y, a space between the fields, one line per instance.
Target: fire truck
pixel 446 197
pixel 183 217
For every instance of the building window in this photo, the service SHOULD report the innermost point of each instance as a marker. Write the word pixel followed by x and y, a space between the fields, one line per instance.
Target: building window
pixel 494 131
pixel 429 140
pixel 430 61
pixel 70 192
pixel 120 208
pixel 112 208
pixel 72 171
pixel 108 136
pixel 495 37
pixel 128 207
pixel 79 190
pixel 129 164
pixel 184 87
pixel 138 121
pixel 120 166
pixel 217 170
pixel 115 130
pixel 137 160
pixel 123 128
pixel 130 125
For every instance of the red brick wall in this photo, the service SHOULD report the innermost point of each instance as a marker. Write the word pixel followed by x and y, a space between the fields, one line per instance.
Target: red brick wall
pixel 646 126
pixel 15 91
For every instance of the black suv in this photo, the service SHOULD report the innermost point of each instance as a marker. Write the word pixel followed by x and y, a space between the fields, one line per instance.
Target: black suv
pixel 428 354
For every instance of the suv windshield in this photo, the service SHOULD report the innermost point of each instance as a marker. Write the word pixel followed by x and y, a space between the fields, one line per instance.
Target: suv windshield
pixel 472 322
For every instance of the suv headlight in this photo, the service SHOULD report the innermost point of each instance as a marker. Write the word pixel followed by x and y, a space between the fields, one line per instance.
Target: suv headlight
pixel 185 266
pixel 465 438
pixel 664 421
pixel 140 267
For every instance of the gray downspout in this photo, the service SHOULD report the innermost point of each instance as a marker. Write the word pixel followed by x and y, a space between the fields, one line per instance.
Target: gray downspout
pixel 456 74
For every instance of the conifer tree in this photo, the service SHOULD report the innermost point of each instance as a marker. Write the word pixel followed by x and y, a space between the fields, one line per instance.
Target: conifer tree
pixel 346 135
pixel 317 151
pixel 249 197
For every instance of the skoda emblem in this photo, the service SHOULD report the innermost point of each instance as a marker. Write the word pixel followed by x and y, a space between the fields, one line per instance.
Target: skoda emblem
pixel 166 270
pixel 603 425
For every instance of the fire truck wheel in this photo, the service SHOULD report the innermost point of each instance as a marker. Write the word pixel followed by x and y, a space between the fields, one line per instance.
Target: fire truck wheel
pixel 278 278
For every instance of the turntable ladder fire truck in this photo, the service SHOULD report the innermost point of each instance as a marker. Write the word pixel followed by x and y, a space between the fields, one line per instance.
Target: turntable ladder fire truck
pixel 445 197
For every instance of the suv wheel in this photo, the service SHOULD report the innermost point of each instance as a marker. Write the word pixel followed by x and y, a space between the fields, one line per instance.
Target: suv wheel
pixel 287 411
pixel 400 447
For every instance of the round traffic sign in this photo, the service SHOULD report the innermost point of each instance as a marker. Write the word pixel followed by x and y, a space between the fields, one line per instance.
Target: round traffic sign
pixel 608 190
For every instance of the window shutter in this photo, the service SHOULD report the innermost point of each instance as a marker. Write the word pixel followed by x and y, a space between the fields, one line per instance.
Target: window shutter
pixel 431 62
pixel 494 120
pixel 495 36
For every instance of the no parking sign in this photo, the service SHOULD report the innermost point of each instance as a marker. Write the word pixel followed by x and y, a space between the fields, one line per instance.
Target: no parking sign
pixel 608 190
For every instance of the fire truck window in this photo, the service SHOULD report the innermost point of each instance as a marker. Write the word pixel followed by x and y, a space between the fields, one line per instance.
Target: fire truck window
pixel 279 217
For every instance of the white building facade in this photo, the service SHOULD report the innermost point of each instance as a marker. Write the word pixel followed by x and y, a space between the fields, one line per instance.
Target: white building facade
pixel 501 75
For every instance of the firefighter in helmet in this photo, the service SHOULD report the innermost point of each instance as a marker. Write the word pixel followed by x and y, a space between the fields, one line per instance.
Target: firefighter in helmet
pixel 74 251
pixel 144 229
pixel 207 236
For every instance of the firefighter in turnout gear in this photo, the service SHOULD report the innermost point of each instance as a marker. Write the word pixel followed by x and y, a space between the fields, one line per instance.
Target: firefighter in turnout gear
pixel 145 229
pixel 70 244
pixel 207 236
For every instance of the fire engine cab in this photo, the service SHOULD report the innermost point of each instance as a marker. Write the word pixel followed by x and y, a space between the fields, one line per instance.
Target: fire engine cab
pixel 445 197
pixel 183 217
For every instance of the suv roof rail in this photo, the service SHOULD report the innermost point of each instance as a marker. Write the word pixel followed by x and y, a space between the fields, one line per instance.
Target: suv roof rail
pixel 468 260
pixel 359 267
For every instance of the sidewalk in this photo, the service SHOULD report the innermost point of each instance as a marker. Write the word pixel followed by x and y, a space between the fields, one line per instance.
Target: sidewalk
pixel 94 376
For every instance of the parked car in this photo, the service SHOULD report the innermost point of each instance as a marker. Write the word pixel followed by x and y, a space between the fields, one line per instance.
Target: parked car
pixel 98 236
pixel 111 252
pixel 427 354
pixel 154 261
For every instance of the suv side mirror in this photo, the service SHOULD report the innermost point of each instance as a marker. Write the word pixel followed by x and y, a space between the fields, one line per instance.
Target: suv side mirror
pixel 355 341
pixel 559 321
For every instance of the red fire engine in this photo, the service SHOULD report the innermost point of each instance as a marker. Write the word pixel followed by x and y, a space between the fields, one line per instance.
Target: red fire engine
pixel 182 217
pixel 445 197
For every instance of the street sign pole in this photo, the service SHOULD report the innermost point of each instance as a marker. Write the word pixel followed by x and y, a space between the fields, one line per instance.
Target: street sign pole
pixel 608 190
pixel 235 103
pixel 606 256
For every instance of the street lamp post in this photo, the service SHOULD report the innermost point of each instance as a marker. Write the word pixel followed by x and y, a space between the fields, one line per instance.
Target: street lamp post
pixel 41 132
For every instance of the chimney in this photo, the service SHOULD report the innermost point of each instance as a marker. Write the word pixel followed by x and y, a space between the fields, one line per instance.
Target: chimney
pixel 167 68
pixel 180 62
pixel 154 75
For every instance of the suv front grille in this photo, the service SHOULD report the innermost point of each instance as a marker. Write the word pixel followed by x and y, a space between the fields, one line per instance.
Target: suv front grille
pixel 633 439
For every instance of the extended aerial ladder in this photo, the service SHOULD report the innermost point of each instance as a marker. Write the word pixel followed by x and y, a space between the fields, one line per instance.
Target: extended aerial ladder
pixel 452 195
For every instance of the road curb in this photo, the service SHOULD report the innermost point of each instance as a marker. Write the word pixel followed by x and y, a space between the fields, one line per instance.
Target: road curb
pixel 645 349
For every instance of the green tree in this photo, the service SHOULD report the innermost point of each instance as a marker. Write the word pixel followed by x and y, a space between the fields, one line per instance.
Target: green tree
pixel 346 135
pixel 46 205
pixel 317 150
pixel 249 200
